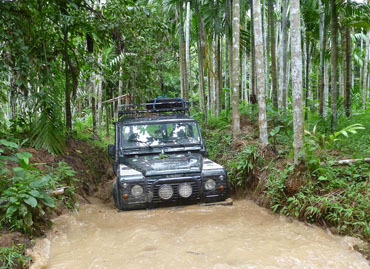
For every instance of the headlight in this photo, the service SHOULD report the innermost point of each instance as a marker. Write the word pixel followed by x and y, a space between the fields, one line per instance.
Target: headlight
pixel 210 185
pixel 185 190
pixel 137 190
pixel 165 192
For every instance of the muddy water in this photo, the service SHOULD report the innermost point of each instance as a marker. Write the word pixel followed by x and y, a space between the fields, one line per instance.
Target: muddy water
pixel 239 236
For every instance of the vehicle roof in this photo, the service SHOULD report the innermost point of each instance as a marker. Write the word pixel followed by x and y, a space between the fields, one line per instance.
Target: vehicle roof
pixel 156 117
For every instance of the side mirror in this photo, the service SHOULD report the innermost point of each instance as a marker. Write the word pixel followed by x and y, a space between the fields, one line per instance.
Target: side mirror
pixel 111 150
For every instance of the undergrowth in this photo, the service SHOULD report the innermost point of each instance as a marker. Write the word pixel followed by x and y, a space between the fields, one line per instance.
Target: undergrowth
pixel 332 195
pixel 27 198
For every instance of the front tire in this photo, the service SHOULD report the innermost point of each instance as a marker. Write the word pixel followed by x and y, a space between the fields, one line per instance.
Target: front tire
pixel 115 195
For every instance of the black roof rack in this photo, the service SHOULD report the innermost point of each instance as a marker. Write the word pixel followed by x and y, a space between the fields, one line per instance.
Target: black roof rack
pixel 157 105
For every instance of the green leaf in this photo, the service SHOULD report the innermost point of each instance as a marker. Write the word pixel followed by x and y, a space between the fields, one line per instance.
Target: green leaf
pixel 25 156
pixel 10 211
pixel 18 169
pixel 8 144
pixel 31 201
pixel 41 182
pixel 35 193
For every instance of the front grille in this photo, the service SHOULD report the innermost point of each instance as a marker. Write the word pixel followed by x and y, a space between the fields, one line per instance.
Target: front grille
pixel 175 186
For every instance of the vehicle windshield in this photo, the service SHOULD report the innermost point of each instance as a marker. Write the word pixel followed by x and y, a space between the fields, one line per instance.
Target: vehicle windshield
pixel 160 134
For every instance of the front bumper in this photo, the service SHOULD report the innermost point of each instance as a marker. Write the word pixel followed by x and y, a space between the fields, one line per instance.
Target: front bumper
pixel 151 199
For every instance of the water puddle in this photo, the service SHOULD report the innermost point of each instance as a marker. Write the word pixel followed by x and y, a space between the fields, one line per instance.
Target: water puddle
pixel 239 236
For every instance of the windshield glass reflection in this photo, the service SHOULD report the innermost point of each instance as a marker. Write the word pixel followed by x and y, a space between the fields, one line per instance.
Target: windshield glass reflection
pixel 160 134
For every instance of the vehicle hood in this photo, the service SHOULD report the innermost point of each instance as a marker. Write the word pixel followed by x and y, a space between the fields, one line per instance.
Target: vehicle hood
pixel 175 163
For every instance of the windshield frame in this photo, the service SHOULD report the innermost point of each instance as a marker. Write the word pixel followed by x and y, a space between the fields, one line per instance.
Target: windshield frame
pixel 153 122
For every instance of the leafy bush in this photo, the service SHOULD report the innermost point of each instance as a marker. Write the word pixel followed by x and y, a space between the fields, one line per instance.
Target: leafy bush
pixel 13 257
pixel 240 168
pixel 26 190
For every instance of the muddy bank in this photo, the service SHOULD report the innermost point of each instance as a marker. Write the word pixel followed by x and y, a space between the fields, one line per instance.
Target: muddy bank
pixel 240 236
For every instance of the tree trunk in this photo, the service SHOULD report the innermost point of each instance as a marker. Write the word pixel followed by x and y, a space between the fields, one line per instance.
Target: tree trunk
pixel 201 58
pixel 253 96
pixel 67 92
pixel 322 55
pixel 347 99
pixel 258 36
pixel 187 49
pixel 235 68
pixel 100 93
pixel 218 75
pixel 183 72
pixel 120 85
pixel 334 63
pixel 298 127
pixel 325 96
pixel 365 71
pixel 214 76
pixel 227 73
pixel 283 84
pixel 265 48
pixel 273 53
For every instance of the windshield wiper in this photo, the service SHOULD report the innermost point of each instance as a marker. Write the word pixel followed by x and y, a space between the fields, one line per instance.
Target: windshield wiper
pixel 143 142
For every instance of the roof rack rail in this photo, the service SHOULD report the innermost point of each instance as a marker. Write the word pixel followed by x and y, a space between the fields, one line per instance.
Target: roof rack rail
pixel 157 105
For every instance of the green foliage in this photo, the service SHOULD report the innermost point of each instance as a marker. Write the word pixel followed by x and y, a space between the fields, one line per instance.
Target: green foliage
pixel 324 140
pixel 336 195
pixel 26 198
pixel 240 168
pixel 13 257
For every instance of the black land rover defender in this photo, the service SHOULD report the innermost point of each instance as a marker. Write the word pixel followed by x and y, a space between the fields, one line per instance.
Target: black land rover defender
pixel 160 158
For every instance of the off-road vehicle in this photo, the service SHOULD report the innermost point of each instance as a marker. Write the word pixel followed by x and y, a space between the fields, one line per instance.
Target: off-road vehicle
pixel 160 158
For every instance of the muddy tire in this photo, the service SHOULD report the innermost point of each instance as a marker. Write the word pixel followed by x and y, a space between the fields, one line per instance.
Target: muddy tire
pixel 115 195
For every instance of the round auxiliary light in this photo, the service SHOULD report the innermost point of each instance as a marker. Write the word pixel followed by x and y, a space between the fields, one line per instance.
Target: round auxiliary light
pixel 137 190
pixel 210 185
pixel 185 190
pixel 165 192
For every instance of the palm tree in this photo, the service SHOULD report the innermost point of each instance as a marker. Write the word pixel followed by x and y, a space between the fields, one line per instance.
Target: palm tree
pixel 273 52
pixel 334 63
pixel 296 52
pixel 322 54
pixel 365 71
pixel 283 79
pixel 258 37
pixel 235 68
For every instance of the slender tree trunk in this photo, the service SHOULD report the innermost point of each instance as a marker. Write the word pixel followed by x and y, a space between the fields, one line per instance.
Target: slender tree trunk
pixel 258 35
pixel 322 55
pixel 343 67
pixel 273 53
pixel 67 90
pixel 183 72
pixel 100 93
pixel 187 49
pixel 297 81
pixel 218 75
pixel 348 71
pixel 265 48
pixel 334 63
pixel 365 71
pixel 227 73
pixel 235 64
pixel 214 75
pixel 201 58
pixel 308 59
pixel 325 96
pixel 253 96
pixel 120 85
pixel 283 78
